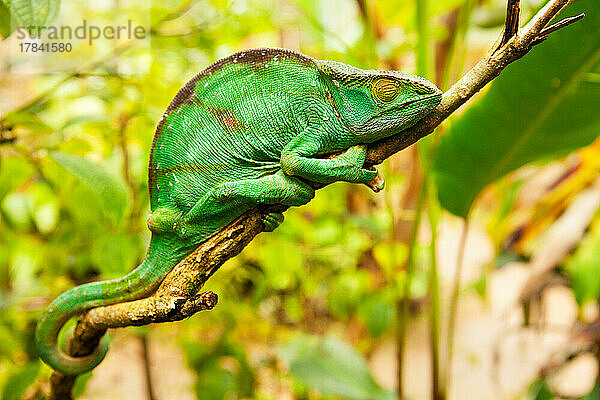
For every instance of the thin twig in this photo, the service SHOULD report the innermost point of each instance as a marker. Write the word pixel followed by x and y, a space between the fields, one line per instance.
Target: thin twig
pixel 175 299
pixel 561 24
pixel 453 309
pixel 438 386
pixel 511 24
pixel 147 371
pixel 403 303
pixel 546 31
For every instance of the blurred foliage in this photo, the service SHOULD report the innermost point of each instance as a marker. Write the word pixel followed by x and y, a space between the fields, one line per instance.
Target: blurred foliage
pixel 301 310
pixel 582 267
pixel 333 368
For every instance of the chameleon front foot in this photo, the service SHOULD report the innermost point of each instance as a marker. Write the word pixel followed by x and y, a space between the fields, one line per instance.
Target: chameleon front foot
pixel 272 221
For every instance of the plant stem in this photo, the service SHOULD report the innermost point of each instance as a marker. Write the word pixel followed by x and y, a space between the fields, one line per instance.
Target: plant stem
pixel 438 389
pixel 147 372
pixel 403 303
pixel 460 47
pixel 423 45
pixel 426 147
pixel 452 311
pixel 457 46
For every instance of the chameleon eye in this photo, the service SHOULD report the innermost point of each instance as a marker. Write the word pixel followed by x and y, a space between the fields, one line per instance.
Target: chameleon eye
pixel 385 90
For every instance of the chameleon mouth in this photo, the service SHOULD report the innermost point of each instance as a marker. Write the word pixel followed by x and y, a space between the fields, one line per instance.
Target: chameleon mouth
pixel 423 99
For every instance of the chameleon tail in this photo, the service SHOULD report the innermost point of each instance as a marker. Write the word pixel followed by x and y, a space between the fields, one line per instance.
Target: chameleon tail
pixel 139 283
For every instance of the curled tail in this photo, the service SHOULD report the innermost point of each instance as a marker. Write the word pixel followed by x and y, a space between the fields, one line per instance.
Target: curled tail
pixel 139 283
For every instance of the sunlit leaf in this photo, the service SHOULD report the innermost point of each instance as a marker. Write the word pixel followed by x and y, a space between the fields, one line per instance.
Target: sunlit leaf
pixel 34 13
pixel 82 119
pixel 17 208
pixel 6 28
pixel 20 381
pixel 582 267
pixel 114 255
pixel 280 272
pixel 111 191
pixel 347 291
pixel 377 312
pixel 332 367
pixel 24 264
pixel 28 120
pixel 13 171
pixel 390 255
pixel 81 383
pixel 539 107
pixel 213 380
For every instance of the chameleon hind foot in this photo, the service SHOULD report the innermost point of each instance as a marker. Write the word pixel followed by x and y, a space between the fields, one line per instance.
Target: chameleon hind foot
pixel 271 221
pixel 163 220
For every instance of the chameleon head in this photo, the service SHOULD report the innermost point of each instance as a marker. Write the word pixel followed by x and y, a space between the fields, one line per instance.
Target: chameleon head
pixel 376 104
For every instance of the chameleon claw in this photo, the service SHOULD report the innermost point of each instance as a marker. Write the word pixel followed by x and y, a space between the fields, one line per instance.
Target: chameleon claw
pixel 272 221
pixel 377 183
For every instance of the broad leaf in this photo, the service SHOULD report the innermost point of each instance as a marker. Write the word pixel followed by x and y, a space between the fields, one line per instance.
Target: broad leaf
pixel 332 367
pixel 110 191
pixel 540 390
pixel 20 381
pixel 543 106
pixel 114 255
pixel 33 13
pixel 378 313
pixel 582 267
pixel 6 28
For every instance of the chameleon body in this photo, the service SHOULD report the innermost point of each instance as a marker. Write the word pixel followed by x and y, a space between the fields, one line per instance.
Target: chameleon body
pixel 252 128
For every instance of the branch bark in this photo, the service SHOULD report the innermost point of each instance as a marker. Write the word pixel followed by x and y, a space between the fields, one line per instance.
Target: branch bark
pixel 176 297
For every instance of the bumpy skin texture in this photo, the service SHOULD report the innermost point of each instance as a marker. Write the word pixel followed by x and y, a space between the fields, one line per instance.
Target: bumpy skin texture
pixel 251 129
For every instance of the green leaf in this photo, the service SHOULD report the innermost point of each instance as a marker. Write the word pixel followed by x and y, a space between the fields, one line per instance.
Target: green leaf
pixel 110 191
pixel 6 28
pixel 540 390
pixel 593 395
pixel 13 171
pixel 347 291
pixel 390 255
pixel 20 381
pixel 540 107
pixel 114 255
pixel 332 367
pixel 17 209
pixel 281 272
pixel 28 120
pixel 81 384
pixel 378 314
pixel 582 267
pixel 33 13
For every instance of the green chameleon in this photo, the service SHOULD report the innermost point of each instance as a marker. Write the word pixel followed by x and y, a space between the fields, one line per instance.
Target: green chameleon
pixel 252 128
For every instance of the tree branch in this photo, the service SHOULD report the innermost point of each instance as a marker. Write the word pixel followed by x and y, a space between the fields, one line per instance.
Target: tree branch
pixel 176 298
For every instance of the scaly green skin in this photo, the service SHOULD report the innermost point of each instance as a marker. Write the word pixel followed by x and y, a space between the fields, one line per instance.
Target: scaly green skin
pixel 251 129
